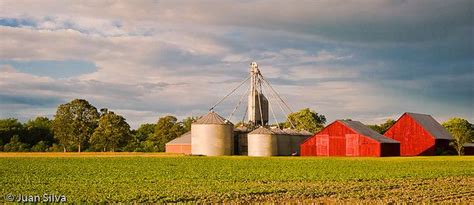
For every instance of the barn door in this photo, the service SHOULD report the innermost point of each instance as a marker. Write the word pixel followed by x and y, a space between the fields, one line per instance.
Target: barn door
pixel 322 145
pixel 352 145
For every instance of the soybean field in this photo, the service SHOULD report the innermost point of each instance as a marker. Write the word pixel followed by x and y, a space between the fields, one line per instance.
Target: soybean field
pixel 154 178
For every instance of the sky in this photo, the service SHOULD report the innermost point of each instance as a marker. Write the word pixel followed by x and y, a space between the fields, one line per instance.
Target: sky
pixel 366 60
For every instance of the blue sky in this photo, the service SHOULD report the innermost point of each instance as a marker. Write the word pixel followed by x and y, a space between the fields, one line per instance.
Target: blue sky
pixel 364 60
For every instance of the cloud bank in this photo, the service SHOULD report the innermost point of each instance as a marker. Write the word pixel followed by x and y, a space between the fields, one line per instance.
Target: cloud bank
pixel 365 60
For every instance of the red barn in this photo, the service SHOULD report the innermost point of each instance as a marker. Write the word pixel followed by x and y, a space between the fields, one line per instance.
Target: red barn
pixel 349 138
pixel 419 135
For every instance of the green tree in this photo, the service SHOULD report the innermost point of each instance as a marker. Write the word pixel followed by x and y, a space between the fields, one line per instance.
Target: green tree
pixel 306 119
pixel 41 146
pixel 112 132
pixel 462 133
pixel 138 136
pixel 8 128
pixel 167 128
pixel 382 128
pixel 74 123
pixel 145 131
pixel 39 129
pixel 15 145
pixel 187 123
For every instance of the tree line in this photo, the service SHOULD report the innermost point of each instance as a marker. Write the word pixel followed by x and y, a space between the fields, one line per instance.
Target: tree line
pixel 79 126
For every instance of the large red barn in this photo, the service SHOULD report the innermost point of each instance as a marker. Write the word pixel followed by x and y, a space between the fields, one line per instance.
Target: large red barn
pixel 349 138
pixel 419 135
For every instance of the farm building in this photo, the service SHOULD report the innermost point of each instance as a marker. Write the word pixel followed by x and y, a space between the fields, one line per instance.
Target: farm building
pixel 349 138
pixel 419 135
pixel 181 144
pixel 469 149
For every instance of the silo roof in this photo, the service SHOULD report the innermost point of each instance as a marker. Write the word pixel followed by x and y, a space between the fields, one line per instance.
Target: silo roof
pixel 262 130
pixel 291 132
pixel 360 128
pixel 306 132
pixel 278 131
pixel 212 118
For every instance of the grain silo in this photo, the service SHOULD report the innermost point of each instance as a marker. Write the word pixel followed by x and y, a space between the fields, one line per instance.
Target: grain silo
pixel 262 142
pixel 294 142
pixel 240 140
pixel 283 142
pixel 212 135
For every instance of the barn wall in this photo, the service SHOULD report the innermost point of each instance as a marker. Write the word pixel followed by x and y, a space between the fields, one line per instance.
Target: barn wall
pixel 308 148
pixel 414 140
pixel 368 147
pixel 184 149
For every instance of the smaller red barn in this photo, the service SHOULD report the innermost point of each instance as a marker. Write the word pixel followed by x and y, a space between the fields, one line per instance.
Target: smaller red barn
pixel 181 145
pixel 419 135
pixel 349 138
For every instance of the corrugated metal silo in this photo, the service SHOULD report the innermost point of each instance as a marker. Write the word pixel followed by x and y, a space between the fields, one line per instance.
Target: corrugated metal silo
pixel 294 140
pixel 240 140
pixel 262 142
pixel 212 135
pixel 283 142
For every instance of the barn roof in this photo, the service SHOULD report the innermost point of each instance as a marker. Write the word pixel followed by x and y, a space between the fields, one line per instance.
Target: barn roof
pixel 183 139
pixel 212 118
pixel 430 125
pixel 360 128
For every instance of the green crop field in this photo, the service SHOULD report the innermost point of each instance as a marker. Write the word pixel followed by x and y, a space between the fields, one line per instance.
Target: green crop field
pixel 168 178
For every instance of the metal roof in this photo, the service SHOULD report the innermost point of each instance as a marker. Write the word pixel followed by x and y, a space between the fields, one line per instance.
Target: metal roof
pixel 278 131
pixel 360 128
pixel 431 125
pixel 291 132
pixel 306 133
pixel 262 130
pixel 183 139
pixel 212 118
